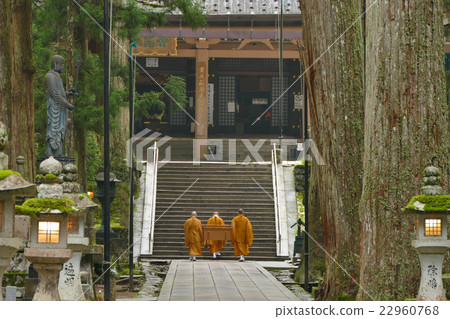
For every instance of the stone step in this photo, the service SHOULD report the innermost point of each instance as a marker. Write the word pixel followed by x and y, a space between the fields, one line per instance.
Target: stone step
pixel 194 200
pixel 196 189
pixel 215 178
pixel 227 251
pixel 234 196
pixel 173 221
pixel 248 179
pixel 219 168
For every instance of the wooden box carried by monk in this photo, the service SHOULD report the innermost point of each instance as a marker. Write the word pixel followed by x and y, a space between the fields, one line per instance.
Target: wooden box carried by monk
pixel 216 232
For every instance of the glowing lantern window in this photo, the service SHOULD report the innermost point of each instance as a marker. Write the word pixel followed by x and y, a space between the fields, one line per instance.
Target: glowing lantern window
pixel 433 227
pixel 48 232
pixel 73 226
pixel 1 216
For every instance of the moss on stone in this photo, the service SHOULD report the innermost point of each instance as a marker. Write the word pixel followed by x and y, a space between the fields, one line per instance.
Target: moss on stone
pixel 47 178
pixel 35 206
pixel 437 203
pixel 4 173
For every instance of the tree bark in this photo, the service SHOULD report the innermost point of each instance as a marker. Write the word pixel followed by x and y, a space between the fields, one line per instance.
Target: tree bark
pixel 5 63
pixel 335 92
pixel 79 128
pixel 70 73
pixel 406 129
pixel 22 100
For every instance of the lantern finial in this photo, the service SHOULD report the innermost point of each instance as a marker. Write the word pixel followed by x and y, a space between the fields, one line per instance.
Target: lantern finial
pixel 432 180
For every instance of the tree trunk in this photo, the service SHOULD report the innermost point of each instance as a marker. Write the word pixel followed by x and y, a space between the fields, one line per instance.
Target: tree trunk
pixel 335 92
pixel 5 63
pixel 79 128
pixel 80 136
pixel 406 129
pixel 22 101
pixel 70 73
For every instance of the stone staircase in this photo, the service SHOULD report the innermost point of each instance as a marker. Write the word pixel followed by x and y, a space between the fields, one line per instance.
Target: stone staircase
pixel 184 187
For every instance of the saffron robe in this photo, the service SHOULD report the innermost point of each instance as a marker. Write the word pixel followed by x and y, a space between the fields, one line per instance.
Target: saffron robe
pixel 215 245
pixel 241 235
pixel 193 236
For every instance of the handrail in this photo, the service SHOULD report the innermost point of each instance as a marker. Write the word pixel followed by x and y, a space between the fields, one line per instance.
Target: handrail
pixel 153 195
pixel 276 198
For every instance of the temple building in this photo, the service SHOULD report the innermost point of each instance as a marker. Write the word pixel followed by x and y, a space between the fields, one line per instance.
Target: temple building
pixel 232 71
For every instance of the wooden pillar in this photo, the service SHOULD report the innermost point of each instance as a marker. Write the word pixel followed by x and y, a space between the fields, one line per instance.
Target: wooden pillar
pixel 201 90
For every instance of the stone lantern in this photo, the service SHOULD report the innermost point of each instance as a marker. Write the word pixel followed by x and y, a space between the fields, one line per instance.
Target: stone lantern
pixel 11 185
pixel 50 212
pixel 431 210
pixel 100 179
pixel 70 287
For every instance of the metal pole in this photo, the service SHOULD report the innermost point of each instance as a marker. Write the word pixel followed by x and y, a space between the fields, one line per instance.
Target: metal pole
pixel 281 74
pixel 106 188
pixel 306 196
pixel 130 227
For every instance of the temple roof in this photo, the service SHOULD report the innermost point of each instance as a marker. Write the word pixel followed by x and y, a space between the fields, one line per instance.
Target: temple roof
pixel 247 7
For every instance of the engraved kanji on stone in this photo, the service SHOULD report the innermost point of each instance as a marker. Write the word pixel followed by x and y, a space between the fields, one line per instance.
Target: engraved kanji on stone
pixel 68 270
pixel 69 281
pixel 432 270
pixel 432 283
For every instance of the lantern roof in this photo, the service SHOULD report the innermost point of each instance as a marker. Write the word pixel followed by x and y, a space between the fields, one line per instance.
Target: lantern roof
pixel 101 177
pixel 12 182
pixel 429 204
pixel 431 201
pixel 82 201
pixel 47 206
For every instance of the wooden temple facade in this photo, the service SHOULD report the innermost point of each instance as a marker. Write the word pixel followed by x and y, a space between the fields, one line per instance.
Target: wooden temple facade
pixel 231 68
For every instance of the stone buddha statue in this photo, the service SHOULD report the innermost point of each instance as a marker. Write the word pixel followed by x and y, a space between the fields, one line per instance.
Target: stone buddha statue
pixel 57 108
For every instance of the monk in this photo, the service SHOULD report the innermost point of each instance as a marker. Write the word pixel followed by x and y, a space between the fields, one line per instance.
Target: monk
pixel 193 236
pixel 241 234
pixel 215 246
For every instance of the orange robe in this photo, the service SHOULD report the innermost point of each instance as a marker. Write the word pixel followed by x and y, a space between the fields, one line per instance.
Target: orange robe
pixel 215 245
pixel 193 236
pixel 241 235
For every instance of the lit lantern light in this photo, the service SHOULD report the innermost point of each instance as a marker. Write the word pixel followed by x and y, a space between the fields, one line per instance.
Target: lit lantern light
pixel 91 194
pixel 48 232
pixel 73 226
pixel 433 227
pixel 431 209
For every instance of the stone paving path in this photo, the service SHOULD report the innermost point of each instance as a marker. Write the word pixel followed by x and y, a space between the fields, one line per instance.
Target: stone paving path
pixel 221 280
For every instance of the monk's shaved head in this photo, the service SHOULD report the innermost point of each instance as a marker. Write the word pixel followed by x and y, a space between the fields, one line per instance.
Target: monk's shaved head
pixel 216 213
pixel 194 213
pixel 240 211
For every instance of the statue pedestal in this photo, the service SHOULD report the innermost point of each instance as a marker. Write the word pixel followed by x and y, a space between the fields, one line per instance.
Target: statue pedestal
pixel 48 262
pixel 69 286
pixel 431 255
